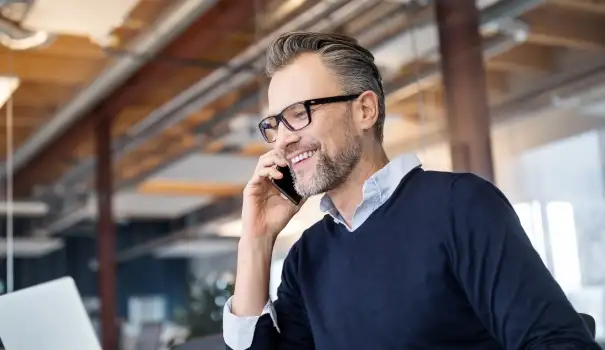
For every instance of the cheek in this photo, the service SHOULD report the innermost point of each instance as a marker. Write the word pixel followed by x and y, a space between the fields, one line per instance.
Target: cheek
pixel 335 138
pixel 326 130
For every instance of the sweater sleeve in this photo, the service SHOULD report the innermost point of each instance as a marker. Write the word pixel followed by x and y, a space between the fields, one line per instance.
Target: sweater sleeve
pixel 505 280
pixel 283 324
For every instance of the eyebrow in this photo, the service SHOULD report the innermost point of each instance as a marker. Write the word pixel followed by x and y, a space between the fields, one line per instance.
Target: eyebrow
pixel 270 114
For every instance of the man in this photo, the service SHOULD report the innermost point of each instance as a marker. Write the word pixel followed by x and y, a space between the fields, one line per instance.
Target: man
pixel 405 258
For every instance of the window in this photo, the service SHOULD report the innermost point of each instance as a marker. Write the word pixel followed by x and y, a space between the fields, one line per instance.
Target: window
pixel 530 216
pixel 145 309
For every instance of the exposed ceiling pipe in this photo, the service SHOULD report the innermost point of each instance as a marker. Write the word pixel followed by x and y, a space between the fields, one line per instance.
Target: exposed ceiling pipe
pixel 232 76
pixel 227 79
pixel 176 20
pixel 215 85
pixel 397 90
pixel 498 18
pixel 505 9
pixel 491 48
pixel 578 87
pixel 489 19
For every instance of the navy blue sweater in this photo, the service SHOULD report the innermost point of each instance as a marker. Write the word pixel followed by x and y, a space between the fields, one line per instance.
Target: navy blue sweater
pixel 443 264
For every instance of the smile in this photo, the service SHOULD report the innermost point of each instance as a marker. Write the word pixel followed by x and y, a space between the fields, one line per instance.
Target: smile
pixel 302 156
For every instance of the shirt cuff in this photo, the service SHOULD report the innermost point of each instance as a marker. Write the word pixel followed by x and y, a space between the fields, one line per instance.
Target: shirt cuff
pixel 238 332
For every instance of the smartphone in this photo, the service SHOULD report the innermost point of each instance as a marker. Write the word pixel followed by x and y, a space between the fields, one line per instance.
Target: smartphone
pixel 285 185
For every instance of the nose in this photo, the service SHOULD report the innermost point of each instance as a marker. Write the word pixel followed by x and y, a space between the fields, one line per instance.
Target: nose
pixel 285 137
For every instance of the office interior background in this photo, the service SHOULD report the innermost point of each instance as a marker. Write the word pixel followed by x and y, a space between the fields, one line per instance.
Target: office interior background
pixel 129 130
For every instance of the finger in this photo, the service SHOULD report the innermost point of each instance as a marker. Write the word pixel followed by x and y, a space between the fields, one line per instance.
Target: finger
pixel 282 160
pixel 273 154
pixel 270 173
pixel 271 160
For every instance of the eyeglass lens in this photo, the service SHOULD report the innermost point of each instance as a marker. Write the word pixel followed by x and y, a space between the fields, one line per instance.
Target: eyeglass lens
pixel 294 118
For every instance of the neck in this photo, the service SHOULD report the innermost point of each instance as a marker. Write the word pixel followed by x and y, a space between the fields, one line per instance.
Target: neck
pixel 347 196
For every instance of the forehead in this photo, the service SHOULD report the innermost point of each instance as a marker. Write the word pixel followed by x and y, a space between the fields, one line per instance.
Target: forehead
pixel 305 78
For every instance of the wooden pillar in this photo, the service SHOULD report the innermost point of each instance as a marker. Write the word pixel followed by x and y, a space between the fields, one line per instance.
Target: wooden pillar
pixel 465 86
pixel 106 235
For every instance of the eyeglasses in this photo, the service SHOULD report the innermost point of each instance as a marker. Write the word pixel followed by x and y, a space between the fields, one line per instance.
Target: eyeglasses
pixel 296 116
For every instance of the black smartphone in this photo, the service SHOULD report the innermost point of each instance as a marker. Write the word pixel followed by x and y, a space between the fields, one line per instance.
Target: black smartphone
pixel 285 185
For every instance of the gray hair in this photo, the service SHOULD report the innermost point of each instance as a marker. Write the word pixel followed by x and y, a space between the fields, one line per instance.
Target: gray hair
pixel 350 62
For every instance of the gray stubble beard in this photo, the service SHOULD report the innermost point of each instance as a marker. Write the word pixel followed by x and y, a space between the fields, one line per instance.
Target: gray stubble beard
pixel 331 173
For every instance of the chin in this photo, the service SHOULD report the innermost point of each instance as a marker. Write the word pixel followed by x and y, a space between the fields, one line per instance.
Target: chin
pixel 303 187
pixel 302 182
pixel 310 188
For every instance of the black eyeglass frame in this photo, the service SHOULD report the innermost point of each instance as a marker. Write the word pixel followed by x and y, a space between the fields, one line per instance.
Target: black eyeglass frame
pixel 307 104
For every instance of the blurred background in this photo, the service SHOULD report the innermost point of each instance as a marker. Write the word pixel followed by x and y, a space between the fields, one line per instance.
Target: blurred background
pixel 129 130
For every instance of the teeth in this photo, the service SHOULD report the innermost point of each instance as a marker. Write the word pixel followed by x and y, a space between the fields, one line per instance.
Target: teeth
pixel 302 156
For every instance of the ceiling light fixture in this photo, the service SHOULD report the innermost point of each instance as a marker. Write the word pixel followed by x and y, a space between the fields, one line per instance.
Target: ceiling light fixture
pixel 15 37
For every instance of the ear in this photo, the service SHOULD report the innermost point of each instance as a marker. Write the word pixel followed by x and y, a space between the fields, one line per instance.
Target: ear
pixel 368 102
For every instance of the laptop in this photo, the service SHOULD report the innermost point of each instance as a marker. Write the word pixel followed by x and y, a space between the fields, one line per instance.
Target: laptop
pixel 48 316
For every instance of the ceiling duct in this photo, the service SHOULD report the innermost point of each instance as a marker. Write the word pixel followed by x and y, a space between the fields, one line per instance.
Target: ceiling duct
pixel 12 34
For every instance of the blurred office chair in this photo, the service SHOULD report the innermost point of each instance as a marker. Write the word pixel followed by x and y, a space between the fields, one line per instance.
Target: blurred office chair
pixel 590 323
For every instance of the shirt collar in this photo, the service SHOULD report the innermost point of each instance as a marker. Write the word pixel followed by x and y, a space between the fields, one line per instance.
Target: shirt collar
pixel 380 186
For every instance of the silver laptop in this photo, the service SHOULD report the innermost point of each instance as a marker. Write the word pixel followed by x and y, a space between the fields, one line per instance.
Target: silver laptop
pixel 49 316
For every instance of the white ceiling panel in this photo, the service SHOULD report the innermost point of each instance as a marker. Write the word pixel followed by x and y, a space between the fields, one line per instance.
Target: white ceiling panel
pixel 406 47
pixel 196 248
pixel 95 19
pixel 136 205
pixel 215 168
pixel 23 208
pixel 31 247
pixel 131 205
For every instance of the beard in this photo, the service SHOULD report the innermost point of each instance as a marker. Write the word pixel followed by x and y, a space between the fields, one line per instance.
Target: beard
pixel 331 172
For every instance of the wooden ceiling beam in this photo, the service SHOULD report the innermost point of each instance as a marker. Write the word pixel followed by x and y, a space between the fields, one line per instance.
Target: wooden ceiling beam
pixel 413 87
pixel 139 19
pixel 433 99
pixel 587 6
pixel 22 122
pixel 129 116
pixel 42 95
pixel 560 29
pixel 282 10
pixel 189 188
pixel 66 46
pixel 427 104
pixel 203 35
pixel 25 120
pixel 497 82
pixel 523 59
pixel 50 69
pixel 27 112
pixel 17 133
